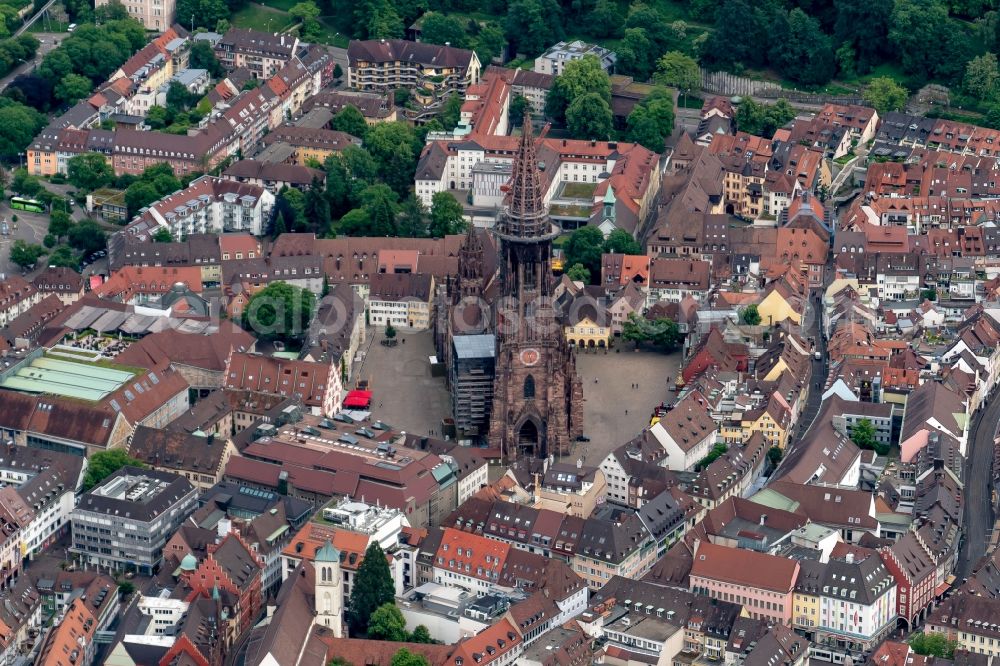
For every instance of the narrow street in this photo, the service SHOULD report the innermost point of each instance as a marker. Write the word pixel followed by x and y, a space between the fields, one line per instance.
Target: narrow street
pixel 978 510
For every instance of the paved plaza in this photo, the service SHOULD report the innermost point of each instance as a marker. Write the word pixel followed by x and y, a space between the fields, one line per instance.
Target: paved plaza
pixel 605 420
pixel 405 395
pixel 408 397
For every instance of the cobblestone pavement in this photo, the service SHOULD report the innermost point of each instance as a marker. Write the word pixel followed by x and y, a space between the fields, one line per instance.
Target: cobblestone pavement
pixel 614 412
pixel 404 394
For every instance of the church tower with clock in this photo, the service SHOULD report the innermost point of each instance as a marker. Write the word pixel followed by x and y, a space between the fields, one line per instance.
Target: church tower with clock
pixel 537 395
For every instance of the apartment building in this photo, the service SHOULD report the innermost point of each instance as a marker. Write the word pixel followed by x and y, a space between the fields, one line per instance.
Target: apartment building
pixel 124 522
pixel 209 205
pixel 153 14
pixel 764 584
pixel 401 299
pixel 263 53
pixel 557 56
pixel 308 144
pixel 431 71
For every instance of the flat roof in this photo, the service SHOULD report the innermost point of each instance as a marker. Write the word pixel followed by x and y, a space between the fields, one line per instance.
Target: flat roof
pixel 70 379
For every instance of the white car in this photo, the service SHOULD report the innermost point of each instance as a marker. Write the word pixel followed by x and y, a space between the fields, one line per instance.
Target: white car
pixel 71 28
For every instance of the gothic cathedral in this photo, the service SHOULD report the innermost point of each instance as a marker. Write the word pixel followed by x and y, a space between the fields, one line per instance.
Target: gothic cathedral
pixel 537 395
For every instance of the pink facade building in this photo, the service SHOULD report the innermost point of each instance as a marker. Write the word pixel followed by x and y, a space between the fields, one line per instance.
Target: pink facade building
pixel 762 583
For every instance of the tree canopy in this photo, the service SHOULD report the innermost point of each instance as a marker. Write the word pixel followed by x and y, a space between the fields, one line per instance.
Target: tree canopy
pixel 886 95
pixel 103 464
pixel 25 254
pixel 373 587
pixel 579 78
pixel 89 171
pixel 933 644
pixel 280 311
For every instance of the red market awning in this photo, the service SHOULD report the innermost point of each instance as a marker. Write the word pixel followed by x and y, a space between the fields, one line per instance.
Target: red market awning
pixel 357 399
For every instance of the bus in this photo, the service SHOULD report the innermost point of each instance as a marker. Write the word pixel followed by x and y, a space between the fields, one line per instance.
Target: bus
pixel 30 205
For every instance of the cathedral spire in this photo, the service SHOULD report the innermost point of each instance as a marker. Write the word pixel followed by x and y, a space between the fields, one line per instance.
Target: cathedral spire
pixel 526 216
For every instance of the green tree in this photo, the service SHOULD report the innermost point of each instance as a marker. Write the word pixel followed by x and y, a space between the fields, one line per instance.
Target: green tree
pixel 750 315
pixel 451 112
pixel 621 242
pixel 666 334
pixel 678 70
pixel 307 12
pixel 589 117
pixel 864 26
pixel 933 644
pixel 774 454
pixel 18 126
pixel 387 624
pixel 63 257
pixel 89 171
pixel 139 195
pixel 202 56
pixel 804 53
pixel 982 77
pixel 652 119
pixel 406 658
pixel 355 222
pixel 421 635
pixel 390 331
pixel 372 588
pixel 179 98
pixel 280 311
pixel 103 464
pixel 579 78
pixel 316 208
pixel 579 273
pixel 350 120
pixel 379 202
pixel 447 216
pixel 158 117
pixel 489 43
pixel 929 294
pixel 585 246
pixel 717 451
pixel 394 147
pixel 636 54
pixel 885 94
pixel 72 88
pixel 863 434
pixel 914 32
pixel 518 106
pixel 87 237
pixel 605 20
pixel 292 204
pixel 634 329
pixel 25 254
pixel 533 25
pixel 412 222
pixel 205 13
pixel 763 119
pixel 25 184
pixel 162 235
pixel 436 28
pixel 738 37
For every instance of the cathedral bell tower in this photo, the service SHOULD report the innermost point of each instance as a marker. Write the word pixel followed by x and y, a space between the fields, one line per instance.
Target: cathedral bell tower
pixel 537 396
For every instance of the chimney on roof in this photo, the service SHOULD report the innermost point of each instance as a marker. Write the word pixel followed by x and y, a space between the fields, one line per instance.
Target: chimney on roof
pixel 763 518
pixel 849 558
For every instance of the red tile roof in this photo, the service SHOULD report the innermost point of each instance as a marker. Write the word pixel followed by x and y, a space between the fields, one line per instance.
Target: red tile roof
pixel 744 567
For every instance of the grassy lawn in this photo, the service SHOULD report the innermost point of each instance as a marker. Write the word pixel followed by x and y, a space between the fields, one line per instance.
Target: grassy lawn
pixel 332 36
pixel 844 159
pixel 258 17
pixel 578 190
pixel 690 102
